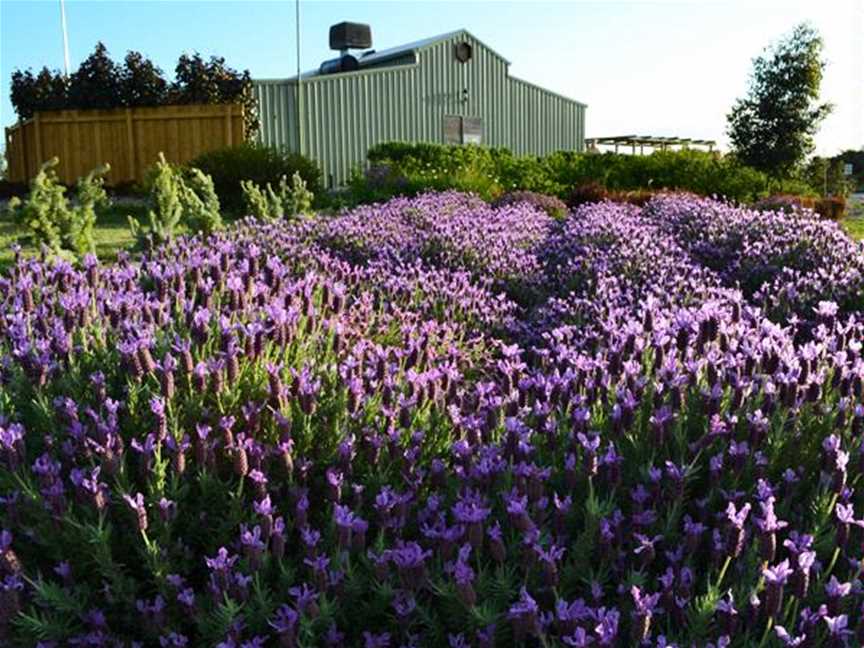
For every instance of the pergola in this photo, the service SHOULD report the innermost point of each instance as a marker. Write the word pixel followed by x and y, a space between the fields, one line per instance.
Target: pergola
pixel 642 141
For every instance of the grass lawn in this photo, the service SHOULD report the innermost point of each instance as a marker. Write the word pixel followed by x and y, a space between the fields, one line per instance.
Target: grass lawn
pixel 854 221
pixel 111 233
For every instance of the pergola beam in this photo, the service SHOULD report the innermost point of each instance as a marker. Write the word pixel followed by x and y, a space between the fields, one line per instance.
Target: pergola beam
pixel 648 140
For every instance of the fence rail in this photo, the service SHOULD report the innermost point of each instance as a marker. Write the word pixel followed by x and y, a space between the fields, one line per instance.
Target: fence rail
pixel 128 139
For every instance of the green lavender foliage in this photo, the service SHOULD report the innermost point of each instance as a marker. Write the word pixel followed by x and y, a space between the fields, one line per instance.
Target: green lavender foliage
pixel 52 219
pixel 285 201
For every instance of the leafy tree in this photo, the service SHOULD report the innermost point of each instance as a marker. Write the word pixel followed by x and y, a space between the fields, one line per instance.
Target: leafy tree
pixel 142 82
pixel 43 91
pixel 212 82
pixel 97 82
pixel 772 128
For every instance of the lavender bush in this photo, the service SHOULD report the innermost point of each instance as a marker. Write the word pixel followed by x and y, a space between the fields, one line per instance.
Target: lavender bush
pixel 431 422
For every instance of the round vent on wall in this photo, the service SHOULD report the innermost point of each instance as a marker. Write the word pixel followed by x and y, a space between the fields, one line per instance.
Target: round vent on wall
pixel 463 52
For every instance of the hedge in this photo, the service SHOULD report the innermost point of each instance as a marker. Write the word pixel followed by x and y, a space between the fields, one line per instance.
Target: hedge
pixel 398 167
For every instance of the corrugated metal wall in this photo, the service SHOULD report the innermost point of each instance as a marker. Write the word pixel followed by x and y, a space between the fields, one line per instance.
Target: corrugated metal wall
pixel 345 114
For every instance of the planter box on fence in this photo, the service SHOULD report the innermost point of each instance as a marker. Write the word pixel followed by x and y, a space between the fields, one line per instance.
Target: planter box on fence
pixel 129 139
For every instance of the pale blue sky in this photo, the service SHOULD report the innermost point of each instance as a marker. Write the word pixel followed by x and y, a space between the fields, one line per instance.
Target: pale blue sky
pixel 659 68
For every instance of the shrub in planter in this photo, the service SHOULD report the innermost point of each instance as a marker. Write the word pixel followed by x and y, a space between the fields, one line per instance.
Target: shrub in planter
pixel 638 197
pixel 590 192
pixel 783 203
pixel 832 207
pixel 256 163
pixel 552 205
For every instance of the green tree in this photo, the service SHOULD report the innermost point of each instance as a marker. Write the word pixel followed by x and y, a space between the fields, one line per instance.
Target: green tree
pixel 43 91
pixel 96 83
pixel 772 128
pixel 142 82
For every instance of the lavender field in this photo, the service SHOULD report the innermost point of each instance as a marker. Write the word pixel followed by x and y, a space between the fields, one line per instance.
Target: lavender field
pixel 431 422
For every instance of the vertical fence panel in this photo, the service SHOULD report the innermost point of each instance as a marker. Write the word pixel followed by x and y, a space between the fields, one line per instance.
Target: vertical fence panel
pixel 129 139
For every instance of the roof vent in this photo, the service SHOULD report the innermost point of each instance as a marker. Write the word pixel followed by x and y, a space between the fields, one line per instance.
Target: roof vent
pixel 349 35
pixel 345 63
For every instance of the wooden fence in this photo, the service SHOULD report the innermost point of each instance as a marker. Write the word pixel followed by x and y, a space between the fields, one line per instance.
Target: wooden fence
pixel 128 139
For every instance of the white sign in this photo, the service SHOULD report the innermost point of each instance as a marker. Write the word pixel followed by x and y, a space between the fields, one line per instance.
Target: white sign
pixel 847 169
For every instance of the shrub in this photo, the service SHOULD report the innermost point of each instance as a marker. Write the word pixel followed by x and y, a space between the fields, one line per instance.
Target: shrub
pixel 201 210
pixel 553 206
pixel 166 206
pixel 784 203
pixel 638 197
pixel 591 192
pixel 832 207
pixel 289 201
pixel 178 197
pixel 433 166
pixel 340 433
pixel 77 230
pixel 259 164
pixel 47 213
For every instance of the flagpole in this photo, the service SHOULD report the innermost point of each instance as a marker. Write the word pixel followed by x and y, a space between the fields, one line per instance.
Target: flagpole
pixel 299 87
pixel 65 38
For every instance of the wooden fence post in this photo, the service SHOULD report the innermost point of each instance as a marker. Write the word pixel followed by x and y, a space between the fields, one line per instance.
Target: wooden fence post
pixel 22 145
pixel 130 140
pixel 37 132
pixel 228 126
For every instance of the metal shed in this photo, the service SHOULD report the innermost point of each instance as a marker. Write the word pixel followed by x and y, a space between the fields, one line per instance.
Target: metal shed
pixel 450 88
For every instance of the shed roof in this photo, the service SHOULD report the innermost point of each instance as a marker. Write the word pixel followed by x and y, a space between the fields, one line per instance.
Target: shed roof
pixel 422 44
pixel 375 58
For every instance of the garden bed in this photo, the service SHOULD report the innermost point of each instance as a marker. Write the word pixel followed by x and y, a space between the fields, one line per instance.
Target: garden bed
pixel 433 422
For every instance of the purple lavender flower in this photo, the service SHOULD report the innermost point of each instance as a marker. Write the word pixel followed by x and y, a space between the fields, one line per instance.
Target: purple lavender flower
pixel 775 579
pixel 524 615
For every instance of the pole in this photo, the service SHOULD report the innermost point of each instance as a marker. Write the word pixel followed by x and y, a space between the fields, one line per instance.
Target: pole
pixel 299 87
pixel 825 181
pixel 65 39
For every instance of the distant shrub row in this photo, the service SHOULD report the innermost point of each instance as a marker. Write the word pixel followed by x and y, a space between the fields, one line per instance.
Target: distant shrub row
pixel 489 172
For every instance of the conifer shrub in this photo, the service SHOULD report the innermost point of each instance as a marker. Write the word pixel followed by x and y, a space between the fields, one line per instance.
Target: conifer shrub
pixel 285 201
pixel 178 198
pixel 52 219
